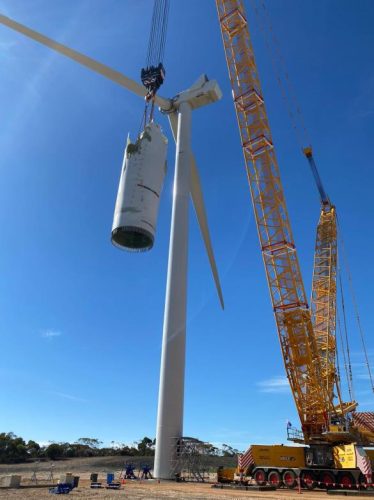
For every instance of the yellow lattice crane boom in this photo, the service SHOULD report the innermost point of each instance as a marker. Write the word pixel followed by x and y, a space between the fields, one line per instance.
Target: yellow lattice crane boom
pixel 301 349
pixel 323 310
pixel 323 298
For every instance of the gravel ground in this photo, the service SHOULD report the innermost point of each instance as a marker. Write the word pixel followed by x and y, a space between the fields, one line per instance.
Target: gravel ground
pixel 150 490
pixel 147 490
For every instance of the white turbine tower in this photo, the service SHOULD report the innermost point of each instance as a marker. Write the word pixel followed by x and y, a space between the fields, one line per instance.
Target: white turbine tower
pixel 186 183
pixel 171 392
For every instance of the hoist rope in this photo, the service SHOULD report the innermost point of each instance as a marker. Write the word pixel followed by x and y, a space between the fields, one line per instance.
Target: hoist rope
pixel 354 301
pixel 157 38
pixel 346 331
pixel 144 119
pixel 281 74
pixel 164 30
pixel 337 364
pixel 349 382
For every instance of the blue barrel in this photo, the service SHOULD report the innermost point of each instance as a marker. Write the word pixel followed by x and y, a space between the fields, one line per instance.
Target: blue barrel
pixel 110 478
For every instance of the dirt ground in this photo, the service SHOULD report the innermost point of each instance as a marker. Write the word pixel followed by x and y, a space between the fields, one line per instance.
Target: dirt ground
pixel 152 489
pixel 139 489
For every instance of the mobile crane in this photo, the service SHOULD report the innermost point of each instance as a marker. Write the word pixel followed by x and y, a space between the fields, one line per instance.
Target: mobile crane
pixel 334 453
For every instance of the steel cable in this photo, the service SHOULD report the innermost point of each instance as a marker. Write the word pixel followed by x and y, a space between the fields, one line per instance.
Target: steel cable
pixel 346 332
pixel 281 74
pixel 157 38
pixel 354 301
pixel 350 388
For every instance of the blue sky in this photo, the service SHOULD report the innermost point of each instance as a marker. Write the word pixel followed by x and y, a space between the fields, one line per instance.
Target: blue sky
pixel 81 321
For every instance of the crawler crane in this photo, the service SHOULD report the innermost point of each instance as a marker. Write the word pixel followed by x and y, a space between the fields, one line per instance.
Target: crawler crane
pixel 334 452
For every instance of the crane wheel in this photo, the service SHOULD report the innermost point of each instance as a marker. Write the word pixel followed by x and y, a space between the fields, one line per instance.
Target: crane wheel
pixel 328 481
pixel 289 479
pixel 274 478
pixel 260 477
pixel 308 480
pixel 346 481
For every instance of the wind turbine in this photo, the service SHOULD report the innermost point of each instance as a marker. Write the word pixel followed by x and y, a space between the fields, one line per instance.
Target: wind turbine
pixel 186 183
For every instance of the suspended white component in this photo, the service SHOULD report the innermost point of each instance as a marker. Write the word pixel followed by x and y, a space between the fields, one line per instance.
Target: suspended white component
pixel 140 186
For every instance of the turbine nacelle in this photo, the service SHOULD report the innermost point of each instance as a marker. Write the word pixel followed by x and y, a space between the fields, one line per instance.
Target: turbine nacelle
pixel 201 93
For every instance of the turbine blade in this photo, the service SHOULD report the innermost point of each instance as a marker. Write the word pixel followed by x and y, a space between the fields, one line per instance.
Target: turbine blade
pixel 198 202
pixel 86 61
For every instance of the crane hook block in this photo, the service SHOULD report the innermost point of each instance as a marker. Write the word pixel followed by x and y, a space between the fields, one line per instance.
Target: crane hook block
pixel 308 152
pixel 152 78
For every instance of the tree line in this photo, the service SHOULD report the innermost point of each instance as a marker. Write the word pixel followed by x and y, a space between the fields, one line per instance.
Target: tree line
pixel 14 449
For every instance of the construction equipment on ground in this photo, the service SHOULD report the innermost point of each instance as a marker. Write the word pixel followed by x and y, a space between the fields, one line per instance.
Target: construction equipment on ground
pixel 146 472
pixel 226 474
pixel 189 464
pixel 340 466
pixel 332 430
pixel 129 471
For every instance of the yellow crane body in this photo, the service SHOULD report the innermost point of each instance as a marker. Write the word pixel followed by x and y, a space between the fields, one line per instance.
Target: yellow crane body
pixel 292 314
pixel 307 336
pixel 342 465
pixel 323 308
pixel 323 299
